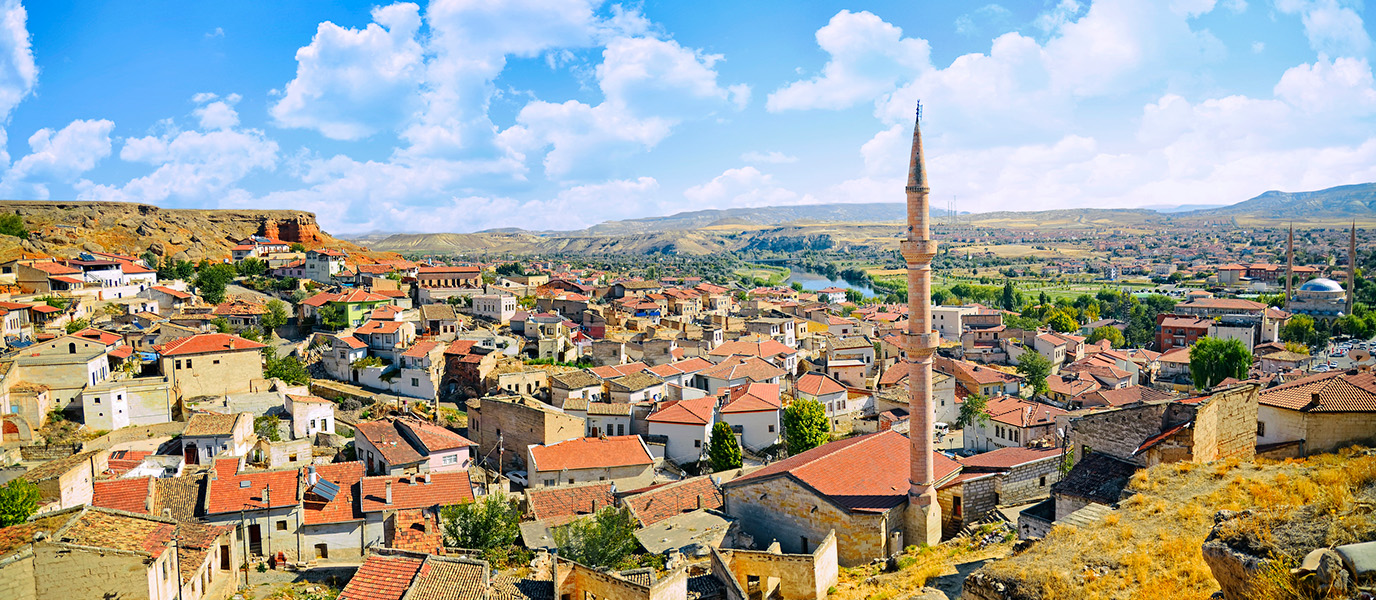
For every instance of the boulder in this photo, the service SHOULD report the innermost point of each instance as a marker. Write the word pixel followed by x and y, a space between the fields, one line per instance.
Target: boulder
pixel 928 593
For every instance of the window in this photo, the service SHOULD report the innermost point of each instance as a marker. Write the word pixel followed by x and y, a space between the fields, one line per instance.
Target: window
pixel 163 566
pixel 549 482
pixel 179 364
pixel 621 429
pixel 956 508
pixel 282 525
pixel 570 481
pixel 1042 482
pixel 97 399
pixel 451 459
pixel 215 362
pixel 1261 429
pixel 188 363
pixel 415 382
pixel 697 443
pixel 771 429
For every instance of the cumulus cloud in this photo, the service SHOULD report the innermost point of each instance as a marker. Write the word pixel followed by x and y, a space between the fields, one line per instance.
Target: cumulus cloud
pixel 352 83
pixel 772 158
pixel 649 86
pixel 1332 26
pixel 742 187
pixel 868 57
pixel 57 157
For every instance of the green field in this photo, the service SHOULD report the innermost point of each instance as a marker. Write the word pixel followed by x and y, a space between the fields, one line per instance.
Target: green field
pixel 764 274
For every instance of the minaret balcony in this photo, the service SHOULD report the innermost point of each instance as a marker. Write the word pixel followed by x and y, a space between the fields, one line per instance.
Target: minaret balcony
pixel 917 251
pixel 917 341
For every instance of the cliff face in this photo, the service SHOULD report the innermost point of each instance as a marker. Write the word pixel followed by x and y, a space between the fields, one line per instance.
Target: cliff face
pixel 63 228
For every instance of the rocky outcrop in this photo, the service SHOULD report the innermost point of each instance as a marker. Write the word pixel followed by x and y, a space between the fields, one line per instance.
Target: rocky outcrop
pixel 1236 569
pixel 65 228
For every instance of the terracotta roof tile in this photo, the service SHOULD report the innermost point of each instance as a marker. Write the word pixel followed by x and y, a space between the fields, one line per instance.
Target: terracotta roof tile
pixel 753 397
pixel 694 411
pixel 559 505
pixel 100 529
pixel 211 424
pixel 1339 391
pixel 590 453
pixel 123 494
pixel 382 577
pixel 448 578
pixel 444 489
pixel 657 503
pixel 342 507
pixel 206 343
pixel 817 384
pixel 230 492
pixel 1007 458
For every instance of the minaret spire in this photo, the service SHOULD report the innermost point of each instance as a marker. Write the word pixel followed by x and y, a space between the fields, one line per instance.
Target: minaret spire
pixel 918 248
pixel 1289 264
pixel 1352 269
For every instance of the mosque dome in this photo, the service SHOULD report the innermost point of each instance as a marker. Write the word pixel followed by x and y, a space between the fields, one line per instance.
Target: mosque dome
pixel 1321 285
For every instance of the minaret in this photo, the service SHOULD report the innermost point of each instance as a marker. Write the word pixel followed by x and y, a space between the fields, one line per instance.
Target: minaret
pixel 1289 264
pixel 1352 268
pixel 924 514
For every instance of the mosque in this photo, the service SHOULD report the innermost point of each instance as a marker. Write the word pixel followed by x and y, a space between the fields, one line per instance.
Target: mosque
pixel 1322 298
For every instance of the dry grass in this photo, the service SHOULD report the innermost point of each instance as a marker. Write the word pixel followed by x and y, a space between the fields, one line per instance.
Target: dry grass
pixel 1150 547
pixel 918 566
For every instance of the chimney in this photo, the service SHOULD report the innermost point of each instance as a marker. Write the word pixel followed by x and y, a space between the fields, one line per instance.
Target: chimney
pixel 427 478
pixel 699 501
pixel 389 492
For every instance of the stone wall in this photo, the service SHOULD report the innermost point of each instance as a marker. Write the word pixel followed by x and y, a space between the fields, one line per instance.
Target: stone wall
pixel 130 434
pixel 519 426
pixel 49 452
pixel 1118 432
pixel 977 499
pixel 779 509
pixel 1226 425
pixel 17 576
pixel 67 572
pixel 782 576
pixel 1028 482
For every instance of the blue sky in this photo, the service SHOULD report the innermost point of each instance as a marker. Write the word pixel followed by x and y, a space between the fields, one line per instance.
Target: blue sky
pixel 463 115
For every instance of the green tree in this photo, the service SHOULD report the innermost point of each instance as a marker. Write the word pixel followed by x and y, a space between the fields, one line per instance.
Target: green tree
pixel 1021 322
pixel 805 425
pixel 1036 368
pixel 211 282
pixel 1062 321
pixel 512 268
pixel 1107 332
pixel 332 316
pixel 491 522
pixel 150 259
pixel 1009 299
pixel 298 247
pixel 250 267
pixel 526 302
pixel 1300 330
pixel 975 409
pixel 268 428
pixel 276 317
pixel 604 540
pixel 76 325
pixel 723 450
pixel 18 501
pixel 854 295
pixel 797 287
pixel 221 324
pixel 13 225
pixel 287 369
pixel 1212 360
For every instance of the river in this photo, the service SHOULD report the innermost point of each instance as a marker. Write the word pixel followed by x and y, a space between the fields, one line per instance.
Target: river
pixel 816 281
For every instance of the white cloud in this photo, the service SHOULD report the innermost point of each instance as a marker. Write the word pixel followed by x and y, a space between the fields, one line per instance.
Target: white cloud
pixel 650 85
pixel 991 16
pixel 18 73
pixel 1332 26
pixel 772 158
pixel 868 57
pixel 57 157
pixel 352 83
pixel 217 32
pixel 1258 47
pixel 742 187
pixel 219 114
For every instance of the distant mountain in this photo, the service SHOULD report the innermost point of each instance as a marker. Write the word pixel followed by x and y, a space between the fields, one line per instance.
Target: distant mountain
pixel 878 212
pixel 1179 208
pixel 1357 200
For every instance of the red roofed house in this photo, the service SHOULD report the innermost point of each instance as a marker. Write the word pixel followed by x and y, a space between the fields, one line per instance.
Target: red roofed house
pixel 1319 413
pixel 624 460
pixel 421 367
pixel 1012 421
pixel 393 446
pixel 687 424
pixel 754 412
pixel 322 265
pixel 384 496
pixel 856 487
pixel 211 364
pixel 828 391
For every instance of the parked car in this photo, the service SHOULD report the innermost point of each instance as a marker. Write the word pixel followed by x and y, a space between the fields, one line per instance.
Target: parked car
pixel 518 477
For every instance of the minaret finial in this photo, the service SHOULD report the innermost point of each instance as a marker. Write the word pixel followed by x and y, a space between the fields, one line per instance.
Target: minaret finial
pixel 917 167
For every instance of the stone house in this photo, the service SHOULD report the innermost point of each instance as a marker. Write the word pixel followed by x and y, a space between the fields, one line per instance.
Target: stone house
pixel 734 371
pixel 1012 422
pixel 466 367
pixel 88 552
pixel 776 353
pixel 309 415
pixel 1021 474
pixel 422 365
pixel 439 321
pixel 208 435
pixel 1318 413
pixel 574 385
pixel 1201 429
pixel 384 500
pixel 70 481
pixel 398 445
pixel 211 364
pixel 856 487
pixel 517 422
pixel 623 460
pixel 636 387
pixel 387 339
pixel 829 392
pixel 977 379
pixel 241 314
pixel 496 307
pixel 601 418
pixel 120 403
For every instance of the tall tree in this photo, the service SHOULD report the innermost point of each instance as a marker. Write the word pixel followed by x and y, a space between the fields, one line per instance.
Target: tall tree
pixel 1036 368
pixel 604 540
pixel 211 282
pixel 276 317
pixel 805 426
pixel 1061 320
pixel 1107 332
pixel 723 450
pixel 1009 298
pixel 18 501
pixel 1212 360
pixel 975 409
pixel 491 522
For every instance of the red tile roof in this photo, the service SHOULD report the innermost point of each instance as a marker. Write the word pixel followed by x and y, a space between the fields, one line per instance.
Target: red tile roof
pixel 1007 458
pixel 121 461
pixel 228 494
pixel 460 347
pixel 614 371
pixel 342 508
pixel 1339 391
pixel 53 268
pixel 753 397
pixel 420 349
pixel 206 343
pixel 656 503
pixel 434 438
pixel 96 335
pixel 173 293
pixel 816 384
pixel 694 411
pixel 380 327
pixel 123 494
pixel 867 473
pixel 590 453
pixel 444 489
pixel 559 505
pixel 752 368
pixel 762 349
pixel 382 577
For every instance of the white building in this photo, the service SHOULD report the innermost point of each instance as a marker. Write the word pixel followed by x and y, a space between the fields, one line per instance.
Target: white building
pixel 754 412
pixel 829 392
pixel 321 265
pixel 310 415
pixel 688 425
pixel 950 320
pixel 497 307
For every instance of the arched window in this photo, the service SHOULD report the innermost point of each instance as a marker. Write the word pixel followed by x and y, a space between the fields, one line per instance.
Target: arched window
pixel 71 348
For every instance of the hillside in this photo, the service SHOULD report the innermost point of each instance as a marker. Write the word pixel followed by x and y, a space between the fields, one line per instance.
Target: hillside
pixel 885 212
pixel 64 228
pixel 1357 201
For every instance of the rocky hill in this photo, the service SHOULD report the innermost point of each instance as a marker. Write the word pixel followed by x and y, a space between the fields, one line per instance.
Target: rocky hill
pixel 64 228
pixel 1357 201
